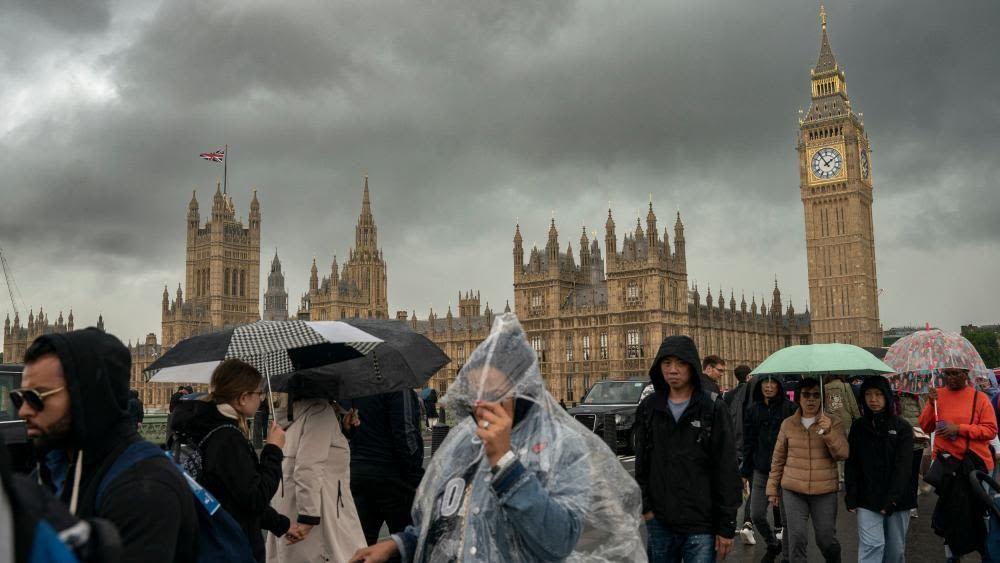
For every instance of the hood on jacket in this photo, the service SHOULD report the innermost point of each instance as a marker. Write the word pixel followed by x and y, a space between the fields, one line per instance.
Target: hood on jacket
pixel 683 348
pixel 505 350
pixel 882 384
pixel 97 367
pixel 195 418
pixel 758 393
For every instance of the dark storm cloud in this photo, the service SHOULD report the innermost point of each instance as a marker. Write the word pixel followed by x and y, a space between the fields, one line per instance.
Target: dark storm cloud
pixel 68 16
pixel 471 115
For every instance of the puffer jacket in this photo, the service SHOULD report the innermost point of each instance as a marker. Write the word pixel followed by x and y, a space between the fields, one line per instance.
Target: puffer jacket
pixel 804 461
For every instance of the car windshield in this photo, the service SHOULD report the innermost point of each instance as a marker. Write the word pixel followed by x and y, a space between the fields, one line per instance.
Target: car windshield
pixel 615 393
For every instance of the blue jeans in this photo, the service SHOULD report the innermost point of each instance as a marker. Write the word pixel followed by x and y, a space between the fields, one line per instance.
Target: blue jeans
pixel 665 546
pixel 881 538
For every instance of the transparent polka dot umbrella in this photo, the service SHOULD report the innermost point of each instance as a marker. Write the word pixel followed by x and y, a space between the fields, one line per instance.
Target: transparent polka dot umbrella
pixel 920 357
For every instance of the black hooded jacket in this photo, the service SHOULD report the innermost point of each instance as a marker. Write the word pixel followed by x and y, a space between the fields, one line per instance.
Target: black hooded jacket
pixel 150 503
pixel 877 475
pixel 761 425
pixel 688 476
pixel 231 471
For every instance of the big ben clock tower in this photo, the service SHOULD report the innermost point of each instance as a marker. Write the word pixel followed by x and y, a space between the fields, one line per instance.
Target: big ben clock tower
pixel 836 189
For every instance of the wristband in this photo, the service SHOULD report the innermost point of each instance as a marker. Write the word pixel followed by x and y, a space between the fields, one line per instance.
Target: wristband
pixel 504 461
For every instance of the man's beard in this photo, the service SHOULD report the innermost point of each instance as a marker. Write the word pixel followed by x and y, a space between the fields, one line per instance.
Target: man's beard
pixel 56 435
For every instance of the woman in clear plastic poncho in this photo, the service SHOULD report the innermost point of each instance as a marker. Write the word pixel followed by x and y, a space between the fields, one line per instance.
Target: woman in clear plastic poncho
pixel 555 493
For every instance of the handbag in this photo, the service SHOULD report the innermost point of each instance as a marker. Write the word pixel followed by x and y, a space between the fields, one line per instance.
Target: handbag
pixel 945 464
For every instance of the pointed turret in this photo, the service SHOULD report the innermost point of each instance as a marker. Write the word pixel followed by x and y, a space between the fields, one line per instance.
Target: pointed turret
pixel 193 217
pixel 334 272
pixel 610 241
pixel 179 300
pixel 314 277
pixel 254 212
pixel 69 323
pixel 100 322
pixel 732 302
pixel 679 249
pixel 584 251
pixel 776 299
pixel 651 226
pixel 166 299
pixel 506 309
pixel 570 263
pixel 518 250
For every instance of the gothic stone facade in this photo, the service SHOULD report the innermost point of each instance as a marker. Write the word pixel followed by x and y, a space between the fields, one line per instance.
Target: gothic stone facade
pixel 359 289
pixel 222 277
pixel 836 191
pixel 17 338
pixel 605 318
pixel 154 396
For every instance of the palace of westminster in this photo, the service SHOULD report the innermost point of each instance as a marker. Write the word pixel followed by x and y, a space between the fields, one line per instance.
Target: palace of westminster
pixel 591 314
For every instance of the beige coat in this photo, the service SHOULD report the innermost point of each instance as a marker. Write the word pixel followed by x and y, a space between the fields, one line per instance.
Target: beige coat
pixel 804 461
pixel 316 481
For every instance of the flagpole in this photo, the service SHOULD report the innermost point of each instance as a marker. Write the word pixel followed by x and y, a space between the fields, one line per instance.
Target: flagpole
pixel 225 168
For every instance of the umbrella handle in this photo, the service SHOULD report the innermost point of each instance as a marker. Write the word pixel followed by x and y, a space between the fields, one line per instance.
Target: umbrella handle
pixel 270 400
pixel 934 434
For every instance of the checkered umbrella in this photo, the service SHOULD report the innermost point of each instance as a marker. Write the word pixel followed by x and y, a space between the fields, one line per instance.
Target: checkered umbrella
pixel 273 347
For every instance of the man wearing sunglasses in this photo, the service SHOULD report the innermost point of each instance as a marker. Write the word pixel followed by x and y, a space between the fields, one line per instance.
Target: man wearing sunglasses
pixel 74 402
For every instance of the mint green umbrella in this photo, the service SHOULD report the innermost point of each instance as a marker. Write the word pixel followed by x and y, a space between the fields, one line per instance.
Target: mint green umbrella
pixel 822 359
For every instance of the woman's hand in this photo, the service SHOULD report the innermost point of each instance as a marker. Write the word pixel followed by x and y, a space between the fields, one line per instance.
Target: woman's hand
pixel 297 533
pixel 493 428
pixel 275 435
pixel 824 423
pixel 351 420
pixel 378 553
pixel 773 500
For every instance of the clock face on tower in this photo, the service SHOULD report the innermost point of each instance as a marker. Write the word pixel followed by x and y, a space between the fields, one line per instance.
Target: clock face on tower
pixel 865 167
pixel 826 163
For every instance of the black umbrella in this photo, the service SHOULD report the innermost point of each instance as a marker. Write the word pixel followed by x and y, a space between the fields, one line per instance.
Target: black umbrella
pixel 404 360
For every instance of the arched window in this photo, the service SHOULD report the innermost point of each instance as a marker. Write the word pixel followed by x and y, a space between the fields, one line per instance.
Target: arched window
pixel 225 286
pixel 243 283
pixel 235 280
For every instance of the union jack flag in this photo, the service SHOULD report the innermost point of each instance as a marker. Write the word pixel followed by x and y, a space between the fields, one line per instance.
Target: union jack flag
pixel 216 156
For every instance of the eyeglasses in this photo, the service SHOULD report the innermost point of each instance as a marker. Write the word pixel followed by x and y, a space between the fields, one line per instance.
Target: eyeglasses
pixel 810 394
pixel 34 399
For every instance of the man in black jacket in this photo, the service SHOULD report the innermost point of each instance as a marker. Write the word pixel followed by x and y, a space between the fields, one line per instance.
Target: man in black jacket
pixel 74 402
pixel 685 461
pixel 760 431
pixel 877 475
pixel 387 458
pixel 135 409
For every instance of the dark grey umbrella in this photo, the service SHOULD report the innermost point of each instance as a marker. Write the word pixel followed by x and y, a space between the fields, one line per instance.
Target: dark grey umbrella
pixel 404 360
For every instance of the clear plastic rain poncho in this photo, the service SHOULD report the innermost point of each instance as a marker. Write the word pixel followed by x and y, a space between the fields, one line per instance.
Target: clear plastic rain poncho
pixel 461 518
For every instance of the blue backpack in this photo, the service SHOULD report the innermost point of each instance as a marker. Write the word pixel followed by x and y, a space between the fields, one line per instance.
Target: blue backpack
pixel 220 538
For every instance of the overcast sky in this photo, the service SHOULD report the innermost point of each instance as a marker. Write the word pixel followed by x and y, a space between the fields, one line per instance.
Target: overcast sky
pixel 471 115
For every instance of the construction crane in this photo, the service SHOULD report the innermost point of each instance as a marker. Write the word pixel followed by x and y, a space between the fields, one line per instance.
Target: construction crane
pixel 8 275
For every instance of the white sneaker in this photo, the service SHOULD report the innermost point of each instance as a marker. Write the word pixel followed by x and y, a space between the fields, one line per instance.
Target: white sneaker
pixel 779 533
pixel 748 536
pixel 913 513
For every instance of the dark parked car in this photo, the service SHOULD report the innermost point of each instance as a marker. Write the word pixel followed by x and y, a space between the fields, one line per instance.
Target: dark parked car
pixel 619 398
pixel 12 428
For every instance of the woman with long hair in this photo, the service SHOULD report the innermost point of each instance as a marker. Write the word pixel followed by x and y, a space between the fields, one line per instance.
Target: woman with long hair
pixel 231 470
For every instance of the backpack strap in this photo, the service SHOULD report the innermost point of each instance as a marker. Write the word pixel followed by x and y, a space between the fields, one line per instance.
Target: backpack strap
pixel 214 430
pixel 133 454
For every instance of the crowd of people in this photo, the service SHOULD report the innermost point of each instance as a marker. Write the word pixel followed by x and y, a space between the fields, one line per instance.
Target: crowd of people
pixel 516 479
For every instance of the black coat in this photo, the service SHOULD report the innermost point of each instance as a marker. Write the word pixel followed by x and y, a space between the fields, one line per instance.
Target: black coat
pixel 877 475
pixel 231 471
pixel 151 504
pixel 689 481
pixel 760 427
pixel 388 442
